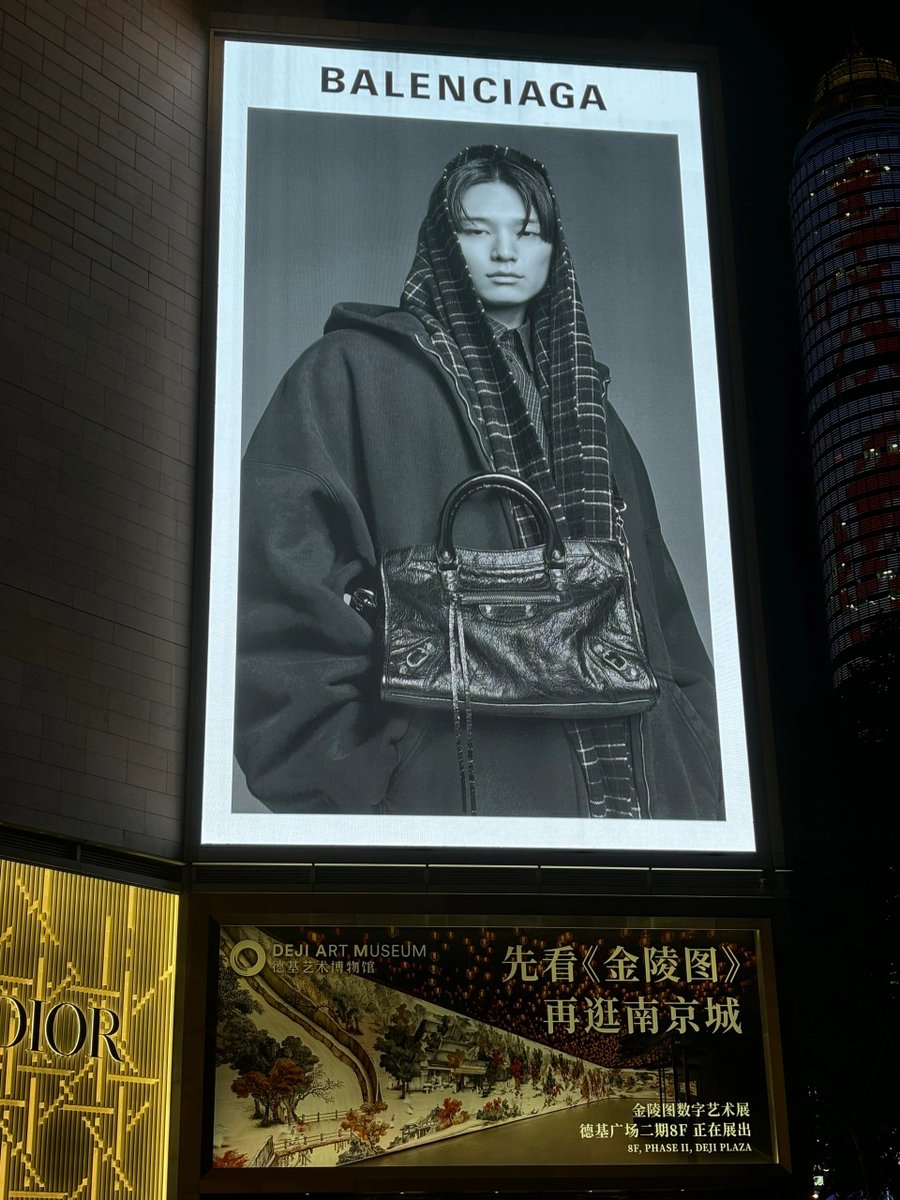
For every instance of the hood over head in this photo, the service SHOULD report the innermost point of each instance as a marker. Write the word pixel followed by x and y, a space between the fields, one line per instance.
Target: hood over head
pixel 575 478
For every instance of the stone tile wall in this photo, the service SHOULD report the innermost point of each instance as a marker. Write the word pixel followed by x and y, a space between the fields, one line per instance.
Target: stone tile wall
pixel 102 140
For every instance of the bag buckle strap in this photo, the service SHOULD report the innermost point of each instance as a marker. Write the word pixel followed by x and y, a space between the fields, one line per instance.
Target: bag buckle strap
pixel 459 682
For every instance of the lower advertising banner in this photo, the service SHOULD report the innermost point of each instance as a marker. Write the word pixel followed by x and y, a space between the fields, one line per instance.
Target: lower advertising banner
pixel 355 1046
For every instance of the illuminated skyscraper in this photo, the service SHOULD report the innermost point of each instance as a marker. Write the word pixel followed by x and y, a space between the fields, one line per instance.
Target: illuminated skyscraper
pixel 845 209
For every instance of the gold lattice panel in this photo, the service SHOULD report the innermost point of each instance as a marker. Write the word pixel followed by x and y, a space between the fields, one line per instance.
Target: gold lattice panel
pixel 75 1122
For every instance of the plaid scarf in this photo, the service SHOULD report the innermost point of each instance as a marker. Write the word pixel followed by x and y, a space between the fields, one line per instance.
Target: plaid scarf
pixel 575 480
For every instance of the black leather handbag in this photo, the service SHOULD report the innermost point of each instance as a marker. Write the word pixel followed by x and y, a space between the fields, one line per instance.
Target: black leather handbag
pixel 546 631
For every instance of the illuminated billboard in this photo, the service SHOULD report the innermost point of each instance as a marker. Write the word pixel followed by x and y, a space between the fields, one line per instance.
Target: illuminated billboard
pixel 424 264
pixel 87 985
pixel 435 1048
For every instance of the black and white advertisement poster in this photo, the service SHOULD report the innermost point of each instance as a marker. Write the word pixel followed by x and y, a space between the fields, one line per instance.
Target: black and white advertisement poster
pixel 409 1046
pixel 432 268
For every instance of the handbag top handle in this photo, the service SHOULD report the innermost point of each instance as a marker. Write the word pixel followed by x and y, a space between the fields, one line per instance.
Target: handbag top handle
pixel 554 547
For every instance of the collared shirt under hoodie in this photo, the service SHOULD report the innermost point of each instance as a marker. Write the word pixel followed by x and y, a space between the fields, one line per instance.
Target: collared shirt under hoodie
pixel 516 346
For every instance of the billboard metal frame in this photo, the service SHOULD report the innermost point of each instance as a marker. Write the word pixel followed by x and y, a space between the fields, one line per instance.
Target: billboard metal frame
pixel 210 913
pixel 762 847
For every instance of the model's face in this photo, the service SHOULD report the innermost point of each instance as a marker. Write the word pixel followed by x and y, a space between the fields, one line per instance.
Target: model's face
pixel 507 258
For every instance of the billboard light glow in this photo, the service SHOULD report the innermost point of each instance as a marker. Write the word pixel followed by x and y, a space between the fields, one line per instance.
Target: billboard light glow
pixel 424 1044
pixel 328 156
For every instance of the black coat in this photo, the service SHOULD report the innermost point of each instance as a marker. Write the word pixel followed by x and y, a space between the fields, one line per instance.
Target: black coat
pixel 355 454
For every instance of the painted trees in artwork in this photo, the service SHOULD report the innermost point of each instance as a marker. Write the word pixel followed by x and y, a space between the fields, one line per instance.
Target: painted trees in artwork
pixel 276 1093
pixel 450 1112
pixel 239 1043
pixel 349 998
pixel 495 1062
pixel 229 1158
pixel 401 1047
pixel 537 1066
pixel 518 1070
pixel 276 1076
pixel 272 1093
pixel 311 1082
pixel 365 1129
pixel 253 1085
pixel 456 1060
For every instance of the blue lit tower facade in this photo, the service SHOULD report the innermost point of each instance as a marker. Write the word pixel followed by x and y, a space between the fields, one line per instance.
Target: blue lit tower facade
pixel 845 211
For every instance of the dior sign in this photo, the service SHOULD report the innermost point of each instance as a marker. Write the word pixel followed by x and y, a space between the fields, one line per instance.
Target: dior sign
pixel 64 1028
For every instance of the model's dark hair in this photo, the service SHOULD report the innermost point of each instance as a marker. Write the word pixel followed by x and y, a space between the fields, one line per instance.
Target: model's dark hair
pixel 521 177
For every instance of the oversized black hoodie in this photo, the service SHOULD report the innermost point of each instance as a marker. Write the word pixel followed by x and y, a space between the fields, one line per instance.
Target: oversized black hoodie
pixel 364 438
